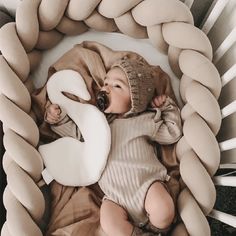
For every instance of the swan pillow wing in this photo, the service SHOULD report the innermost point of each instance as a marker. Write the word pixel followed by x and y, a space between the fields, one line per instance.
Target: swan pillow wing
pixel 67 160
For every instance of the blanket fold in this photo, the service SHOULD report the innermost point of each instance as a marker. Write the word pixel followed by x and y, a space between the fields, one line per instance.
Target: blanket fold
pixel 75 211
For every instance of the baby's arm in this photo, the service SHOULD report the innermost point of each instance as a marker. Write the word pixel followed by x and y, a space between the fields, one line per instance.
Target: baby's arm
pixel 60 122
pixel 52 114
pixel 167 121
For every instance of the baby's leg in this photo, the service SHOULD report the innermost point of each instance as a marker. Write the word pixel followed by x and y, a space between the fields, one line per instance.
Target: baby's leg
pixel 160 206
pixel 114 219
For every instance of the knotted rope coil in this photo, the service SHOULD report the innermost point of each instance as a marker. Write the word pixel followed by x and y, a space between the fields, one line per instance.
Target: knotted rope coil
pixel 40 25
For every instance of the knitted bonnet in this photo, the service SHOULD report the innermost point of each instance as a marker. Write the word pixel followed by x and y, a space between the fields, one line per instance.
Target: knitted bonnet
pixel 140 80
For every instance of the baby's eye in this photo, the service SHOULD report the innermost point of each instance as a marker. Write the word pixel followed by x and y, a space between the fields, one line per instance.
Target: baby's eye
pixel 117 86
pixel 105 84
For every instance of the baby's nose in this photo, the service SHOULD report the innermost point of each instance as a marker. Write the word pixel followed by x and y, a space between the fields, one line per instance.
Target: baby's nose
pixel 106 88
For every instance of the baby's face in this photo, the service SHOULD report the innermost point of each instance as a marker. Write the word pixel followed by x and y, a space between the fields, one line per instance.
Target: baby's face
pixel 117 89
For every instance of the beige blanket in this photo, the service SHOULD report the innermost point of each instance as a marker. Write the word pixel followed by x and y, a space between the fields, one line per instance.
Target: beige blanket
pixel 75 211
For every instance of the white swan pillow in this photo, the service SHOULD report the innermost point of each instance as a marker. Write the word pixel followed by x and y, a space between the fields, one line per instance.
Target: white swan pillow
pixel 67 160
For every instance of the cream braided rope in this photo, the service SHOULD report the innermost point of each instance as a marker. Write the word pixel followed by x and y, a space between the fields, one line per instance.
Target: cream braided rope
pixel 40 25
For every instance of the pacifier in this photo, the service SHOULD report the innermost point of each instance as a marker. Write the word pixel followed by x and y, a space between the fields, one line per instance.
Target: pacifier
pixel 102 101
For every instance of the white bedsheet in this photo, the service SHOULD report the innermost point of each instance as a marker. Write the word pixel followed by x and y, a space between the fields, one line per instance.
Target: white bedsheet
pixel 116 41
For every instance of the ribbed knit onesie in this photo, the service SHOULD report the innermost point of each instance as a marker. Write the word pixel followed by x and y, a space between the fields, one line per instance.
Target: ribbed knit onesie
pixel 132 164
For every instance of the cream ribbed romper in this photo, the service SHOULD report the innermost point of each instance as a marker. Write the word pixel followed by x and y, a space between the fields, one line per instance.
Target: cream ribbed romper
pixel 132 163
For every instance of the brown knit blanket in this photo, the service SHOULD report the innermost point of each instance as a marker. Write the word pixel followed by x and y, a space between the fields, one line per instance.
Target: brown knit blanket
pixel 75 210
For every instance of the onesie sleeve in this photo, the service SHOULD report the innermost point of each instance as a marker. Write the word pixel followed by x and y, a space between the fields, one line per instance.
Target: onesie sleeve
pixel 167 123
pixel 65 127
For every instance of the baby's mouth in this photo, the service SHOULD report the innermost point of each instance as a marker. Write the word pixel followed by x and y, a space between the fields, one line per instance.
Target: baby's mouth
pixel 102 101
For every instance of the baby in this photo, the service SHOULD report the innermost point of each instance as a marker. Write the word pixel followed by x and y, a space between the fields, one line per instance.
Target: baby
pixel 133 181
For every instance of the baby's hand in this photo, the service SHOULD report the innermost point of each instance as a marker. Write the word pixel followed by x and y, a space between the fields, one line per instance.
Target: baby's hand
pixel 52 114
pixel 158 101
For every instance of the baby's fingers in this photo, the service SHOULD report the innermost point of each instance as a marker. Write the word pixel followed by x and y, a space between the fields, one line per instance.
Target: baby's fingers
pixel 54 106
pixel 158 101
pixel 163 98
pixel 52 119
pixel 154 102
pixel 57 112
pixel 54 110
